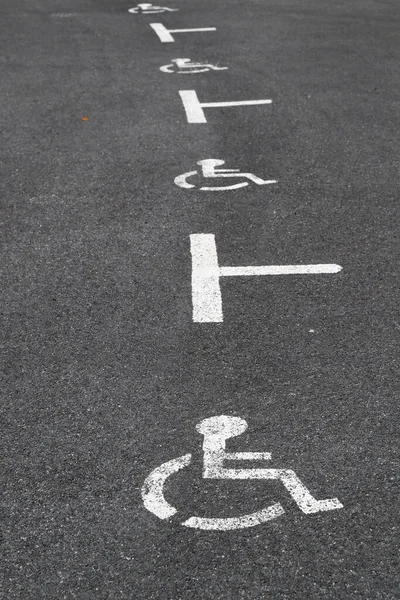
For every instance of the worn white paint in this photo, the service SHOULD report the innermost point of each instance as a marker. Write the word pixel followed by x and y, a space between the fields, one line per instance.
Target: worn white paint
pixel 279 270
pixel 149 9
pixel 230 523
pixel 162 32
pixel 216 430
pixel 248 456
pixel 184 66
pixel 235 103
pixel 152 490
pixel 194 108
pixel 165 36
pixel 209 171
pixel 182 180
pixel 154 501
pixel 206 292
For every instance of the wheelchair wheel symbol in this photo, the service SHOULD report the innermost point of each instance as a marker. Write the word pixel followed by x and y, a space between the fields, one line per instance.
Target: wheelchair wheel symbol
pixel 216 430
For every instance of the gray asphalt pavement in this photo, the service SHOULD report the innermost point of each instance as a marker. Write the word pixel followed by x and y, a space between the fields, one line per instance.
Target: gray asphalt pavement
pixel 106 374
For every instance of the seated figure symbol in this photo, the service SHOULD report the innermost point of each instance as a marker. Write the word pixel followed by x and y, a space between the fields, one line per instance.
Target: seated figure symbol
pixel 216 430
pixel 186 66
pixel 149 9
pixel 209 171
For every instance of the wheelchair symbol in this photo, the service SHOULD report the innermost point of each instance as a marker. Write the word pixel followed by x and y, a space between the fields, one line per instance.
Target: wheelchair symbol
pixel 149 9
pixel 209 171
pixel 216 430
pixel 185 66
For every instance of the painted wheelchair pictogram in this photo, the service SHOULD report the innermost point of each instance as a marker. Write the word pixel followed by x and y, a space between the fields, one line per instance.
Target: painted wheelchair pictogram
pixel 209 171
pixel 216 430
pixel 185 66
pixel 149 9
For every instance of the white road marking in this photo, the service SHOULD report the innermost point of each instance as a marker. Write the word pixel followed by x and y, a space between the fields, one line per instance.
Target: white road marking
pixel 152 490
pixel 209 170
pixel 235 103
pixel 230 523
pixel 279 270
pixel 206 272
pixel 216 430
pixel 182 180
pixel 149 9
pixel 248 456
pixel 185 66
pixel 165 34
pixel 194 108
pixel 206 292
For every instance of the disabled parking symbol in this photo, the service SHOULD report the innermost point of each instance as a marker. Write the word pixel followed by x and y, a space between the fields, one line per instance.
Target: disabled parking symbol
pixel 208 170
pixel 216 430
pixel 185 66
pixel 149 9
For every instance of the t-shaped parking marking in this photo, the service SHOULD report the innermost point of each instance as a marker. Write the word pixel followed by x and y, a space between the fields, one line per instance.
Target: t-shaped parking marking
pixel 194 108
pixel 206 272
pixel 165 36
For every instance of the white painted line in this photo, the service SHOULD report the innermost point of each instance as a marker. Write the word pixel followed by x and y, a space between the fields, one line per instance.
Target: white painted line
pixel 194 108
pixel 195 29
pixel 162 32
pixel 231 523
pixel 279 270
pixel 165 36
pixel 235 103
pixel 206 292
pixel 152 490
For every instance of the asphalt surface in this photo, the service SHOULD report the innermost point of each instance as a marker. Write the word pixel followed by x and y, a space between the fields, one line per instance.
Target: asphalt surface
pixel 105 373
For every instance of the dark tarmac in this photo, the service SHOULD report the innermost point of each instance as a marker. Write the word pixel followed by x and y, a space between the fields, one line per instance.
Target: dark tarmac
pixel 105 373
